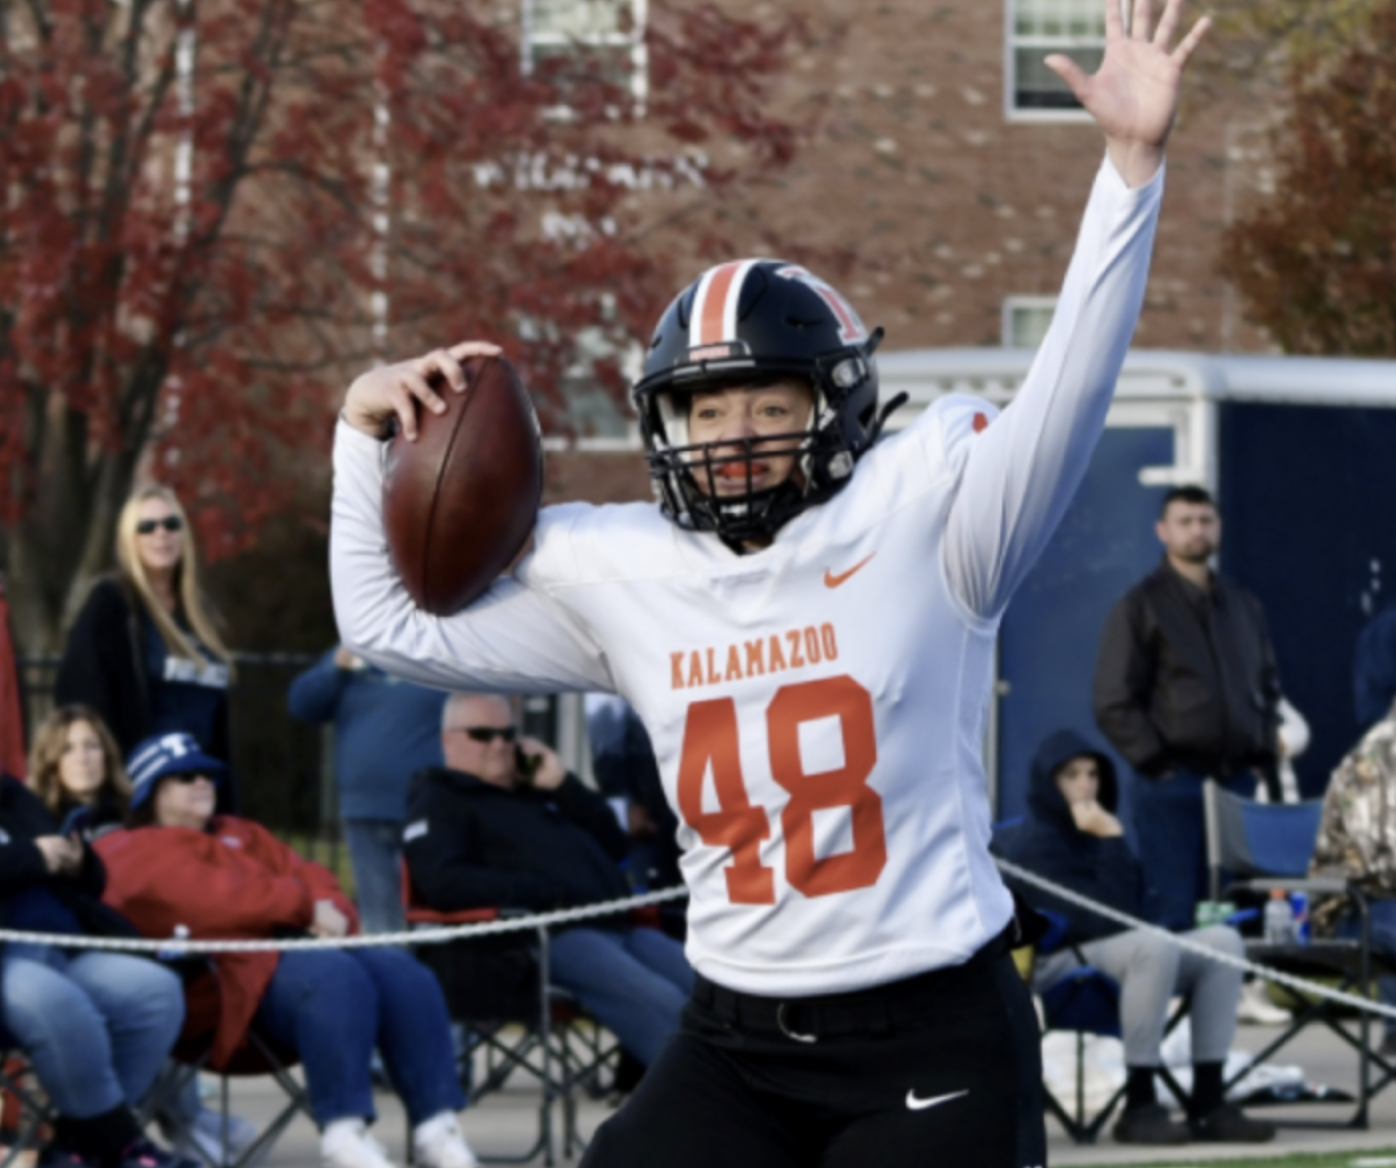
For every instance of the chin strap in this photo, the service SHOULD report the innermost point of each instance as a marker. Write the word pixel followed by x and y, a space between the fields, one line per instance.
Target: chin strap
pixel 884 413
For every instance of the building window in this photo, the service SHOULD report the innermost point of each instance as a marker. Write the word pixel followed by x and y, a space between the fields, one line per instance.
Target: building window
pixel 1037 28
pixel 588 41
pixel 1026 319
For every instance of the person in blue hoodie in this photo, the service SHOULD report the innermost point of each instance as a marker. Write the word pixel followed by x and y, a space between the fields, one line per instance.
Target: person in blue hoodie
pixel 1072 837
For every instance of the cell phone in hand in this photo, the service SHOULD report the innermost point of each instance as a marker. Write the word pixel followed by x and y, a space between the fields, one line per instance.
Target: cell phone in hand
pixel 526 764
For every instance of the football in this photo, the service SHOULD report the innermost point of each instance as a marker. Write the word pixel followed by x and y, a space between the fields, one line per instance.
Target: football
pixel 460 502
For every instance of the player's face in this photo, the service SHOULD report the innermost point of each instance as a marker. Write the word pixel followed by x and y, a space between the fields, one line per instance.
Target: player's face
pixel 1079 780
pixel 729 416
pixel 1190 531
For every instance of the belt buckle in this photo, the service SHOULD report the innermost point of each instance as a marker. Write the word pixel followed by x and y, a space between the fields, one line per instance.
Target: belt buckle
pixel 785 1029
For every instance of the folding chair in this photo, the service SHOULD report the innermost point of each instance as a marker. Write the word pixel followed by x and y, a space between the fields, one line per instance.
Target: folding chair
pixel 494 986
pixel 1087 1001
pixel 257 1056
pixel 1261 846
pixel 25 1114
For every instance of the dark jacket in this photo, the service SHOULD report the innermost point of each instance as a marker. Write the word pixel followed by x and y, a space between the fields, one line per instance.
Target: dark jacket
pixel 470 844
pixel 104 667
pixel 1048 842
pixel 1187 678
pixel 23 818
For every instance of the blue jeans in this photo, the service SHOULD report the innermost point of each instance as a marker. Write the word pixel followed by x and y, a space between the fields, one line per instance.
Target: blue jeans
pixel 1382 921
pixel 375 854
pixel 1171 829
pixel 635 983
pixel 332 1006
pixel 96 1025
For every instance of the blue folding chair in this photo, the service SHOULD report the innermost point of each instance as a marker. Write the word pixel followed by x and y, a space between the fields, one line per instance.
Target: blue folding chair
pixel 1255 847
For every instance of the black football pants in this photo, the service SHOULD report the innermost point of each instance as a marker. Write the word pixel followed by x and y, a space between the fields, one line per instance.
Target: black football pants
pixel 940 1071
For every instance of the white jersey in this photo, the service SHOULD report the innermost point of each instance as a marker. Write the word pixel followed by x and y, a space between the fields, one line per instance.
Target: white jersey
pixel 816 707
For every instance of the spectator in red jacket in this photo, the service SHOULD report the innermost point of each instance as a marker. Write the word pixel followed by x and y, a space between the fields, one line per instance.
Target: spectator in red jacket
pixel 221 876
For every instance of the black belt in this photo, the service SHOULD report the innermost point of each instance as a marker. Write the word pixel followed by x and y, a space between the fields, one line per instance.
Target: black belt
pixel 877 1010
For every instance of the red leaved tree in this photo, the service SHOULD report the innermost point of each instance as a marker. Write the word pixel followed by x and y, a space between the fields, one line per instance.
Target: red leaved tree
pixel 216 210
pixel 1316 260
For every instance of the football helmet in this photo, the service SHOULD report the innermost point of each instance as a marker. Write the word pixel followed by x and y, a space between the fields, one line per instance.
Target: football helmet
pixel 747 323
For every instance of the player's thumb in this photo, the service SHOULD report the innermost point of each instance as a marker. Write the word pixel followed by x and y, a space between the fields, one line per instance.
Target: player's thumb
pixel 1070 72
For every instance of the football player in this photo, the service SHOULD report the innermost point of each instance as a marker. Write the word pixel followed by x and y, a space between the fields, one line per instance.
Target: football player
pixel 805 624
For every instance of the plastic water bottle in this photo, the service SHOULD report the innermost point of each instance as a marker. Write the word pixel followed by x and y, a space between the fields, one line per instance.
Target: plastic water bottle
pixel 1299 904
pixel 1279 919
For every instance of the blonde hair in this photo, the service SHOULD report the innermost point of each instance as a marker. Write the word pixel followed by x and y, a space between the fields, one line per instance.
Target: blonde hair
pixel 186 581
pixel 46 757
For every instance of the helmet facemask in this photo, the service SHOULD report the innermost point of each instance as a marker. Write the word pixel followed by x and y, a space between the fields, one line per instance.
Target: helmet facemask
pixel 690 475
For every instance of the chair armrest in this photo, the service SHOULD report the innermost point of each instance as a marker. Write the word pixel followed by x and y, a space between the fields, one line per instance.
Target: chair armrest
pixel 1323 885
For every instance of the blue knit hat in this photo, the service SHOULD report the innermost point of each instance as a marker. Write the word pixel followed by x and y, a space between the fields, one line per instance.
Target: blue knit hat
pixel 164 755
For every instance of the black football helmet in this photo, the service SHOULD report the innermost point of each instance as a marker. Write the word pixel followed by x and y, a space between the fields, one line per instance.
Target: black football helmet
pixel 747 323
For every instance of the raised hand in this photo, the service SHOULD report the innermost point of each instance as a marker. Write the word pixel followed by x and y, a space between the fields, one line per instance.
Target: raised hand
pixel 395 390
pixel 1133 96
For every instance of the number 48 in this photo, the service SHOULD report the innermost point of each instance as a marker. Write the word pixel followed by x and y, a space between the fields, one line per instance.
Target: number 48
pixel 710 741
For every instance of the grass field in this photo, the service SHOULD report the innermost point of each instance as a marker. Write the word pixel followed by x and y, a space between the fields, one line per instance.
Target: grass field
pixel 1366 1159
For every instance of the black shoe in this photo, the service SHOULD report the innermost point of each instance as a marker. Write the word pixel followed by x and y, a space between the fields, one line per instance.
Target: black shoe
pixel 1149 1124
pixel 142 1153
pixel 1228 1124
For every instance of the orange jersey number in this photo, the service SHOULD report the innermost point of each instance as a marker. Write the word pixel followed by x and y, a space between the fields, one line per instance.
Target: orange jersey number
pixel 710 742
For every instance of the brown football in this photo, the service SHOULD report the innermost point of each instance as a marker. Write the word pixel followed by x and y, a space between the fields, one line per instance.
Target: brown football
pixel 460 502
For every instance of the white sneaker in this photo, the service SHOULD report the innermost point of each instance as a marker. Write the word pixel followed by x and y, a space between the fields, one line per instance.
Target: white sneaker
pixel 1255 1006
pixel 345 1143
pixel 205 1135
pixel 439 1144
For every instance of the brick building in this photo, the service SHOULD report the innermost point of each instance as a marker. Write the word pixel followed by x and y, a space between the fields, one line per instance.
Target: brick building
pixel 943 170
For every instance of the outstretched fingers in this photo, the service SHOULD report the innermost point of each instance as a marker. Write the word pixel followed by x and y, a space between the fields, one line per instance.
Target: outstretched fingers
pixel 1070 72
pixel 1191 41
pixel 1114 23
pixel 1168 24
pixel 1142 21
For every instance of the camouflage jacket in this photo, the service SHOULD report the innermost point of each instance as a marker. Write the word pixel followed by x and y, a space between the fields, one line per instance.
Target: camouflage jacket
pixel 1357 835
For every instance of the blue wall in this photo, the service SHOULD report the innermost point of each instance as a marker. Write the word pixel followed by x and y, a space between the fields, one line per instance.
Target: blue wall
pixel 1309 506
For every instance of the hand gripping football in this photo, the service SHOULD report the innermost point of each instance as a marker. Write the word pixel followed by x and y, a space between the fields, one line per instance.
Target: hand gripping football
pixel 460 502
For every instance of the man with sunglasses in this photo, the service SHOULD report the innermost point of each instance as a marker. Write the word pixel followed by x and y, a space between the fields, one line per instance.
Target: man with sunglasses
pixel 806 626
pixel 503 825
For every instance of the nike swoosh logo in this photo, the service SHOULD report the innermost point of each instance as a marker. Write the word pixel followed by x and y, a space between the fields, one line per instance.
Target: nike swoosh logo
pixel 915 1104
pixel 832 581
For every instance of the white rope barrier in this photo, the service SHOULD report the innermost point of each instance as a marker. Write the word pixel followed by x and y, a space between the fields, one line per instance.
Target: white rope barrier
pixel 1183 942
pixel 171 947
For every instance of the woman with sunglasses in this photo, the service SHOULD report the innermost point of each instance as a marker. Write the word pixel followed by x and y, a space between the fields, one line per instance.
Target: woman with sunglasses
pixel 145 652
pixel 224 877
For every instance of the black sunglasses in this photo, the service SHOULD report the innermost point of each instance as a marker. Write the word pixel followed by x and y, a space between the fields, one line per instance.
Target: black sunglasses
pixel 487 734
pixel 187 777
pixel 151 526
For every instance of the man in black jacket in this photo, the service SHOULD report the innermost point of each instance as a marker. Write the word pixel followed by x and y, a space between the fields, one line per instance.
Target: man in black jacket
pixel 1072 837
pixel 1186 688
pixel 502 825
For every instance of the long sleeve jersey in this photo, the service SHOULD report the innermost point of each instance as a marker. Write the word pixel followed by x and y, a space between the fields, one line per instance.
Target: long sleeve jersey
pixel 816 707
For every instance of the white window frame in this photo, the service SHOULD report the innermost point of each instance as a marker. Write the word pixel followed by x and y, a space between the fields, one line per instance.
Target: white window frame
pixel 534 37
pixel 1011 305
pixel 1011 112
